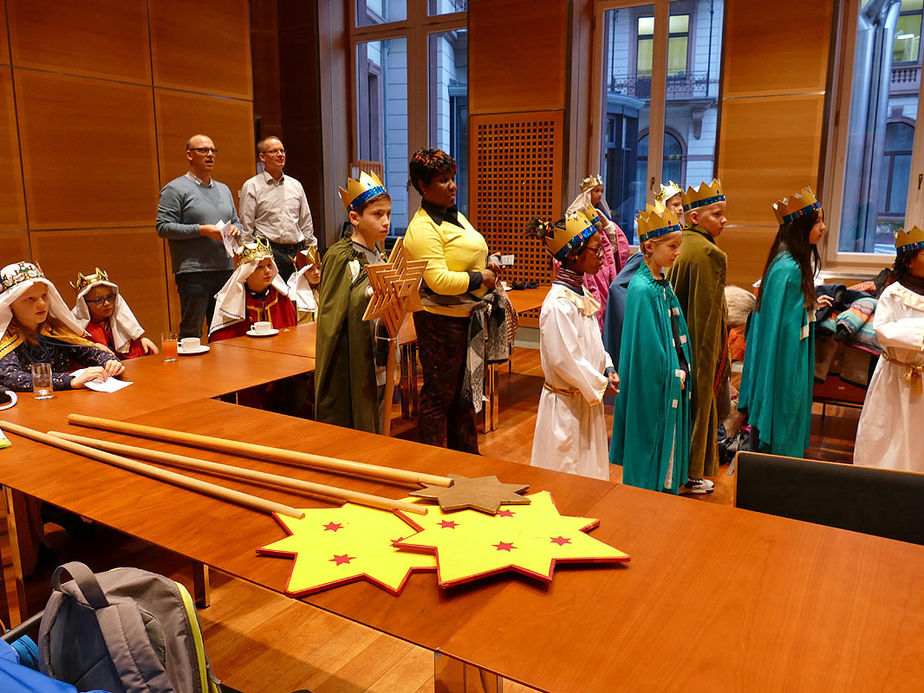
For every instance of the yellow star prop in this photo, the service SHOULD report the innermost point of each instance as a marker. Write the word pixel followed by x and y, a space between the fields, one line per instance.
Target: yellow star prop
pixel 528 539
pixel 395 286
pixel 333 546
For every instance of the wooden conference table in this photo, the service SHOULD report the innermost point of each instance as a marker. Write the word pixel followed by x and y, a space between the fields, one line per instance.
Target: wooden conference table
pixel 714 597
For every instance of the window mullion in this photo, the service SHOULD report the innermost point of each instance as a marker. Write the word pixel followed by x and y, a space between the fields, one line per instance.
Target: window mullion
pixel 658 93
pixel 914 211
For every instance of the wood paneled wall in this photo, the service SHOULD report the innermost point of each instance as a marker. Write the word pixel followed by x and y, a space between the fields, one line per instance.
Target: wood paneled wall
pixel 773 103
pixel 96 103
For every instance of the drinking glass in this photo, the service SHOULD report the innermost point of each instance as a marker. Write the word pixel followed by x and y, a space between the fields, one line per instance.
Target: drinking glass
pixel 41 381
pixel 168 346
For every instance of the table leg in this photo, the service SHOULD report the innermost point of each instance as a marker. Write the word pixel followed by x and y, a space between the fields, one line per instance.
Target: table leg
pixel 202 590
pixel 405 381
pixel 16 513
pixel 415 391
pixel 451 675
pixel 490 396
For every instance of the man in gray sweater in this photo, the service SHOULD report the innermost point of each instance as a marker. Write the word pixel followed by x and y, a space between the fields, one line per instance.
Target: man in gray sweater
pixel 187 216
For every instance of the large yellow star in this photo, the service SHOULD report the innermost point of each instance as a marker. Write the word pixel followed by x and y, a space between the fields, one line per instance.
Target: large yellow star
pixel 528 539
pixel 332 546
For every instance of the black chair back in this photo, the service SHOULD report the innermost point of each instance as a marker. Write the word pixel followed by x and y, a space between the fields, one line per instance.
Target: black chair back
pixel 884 502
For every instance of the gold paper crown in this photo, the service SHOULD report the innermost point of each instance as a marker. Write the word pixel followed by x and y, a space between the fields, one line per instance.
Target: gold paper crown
pixel 83 281
pixel 358 191
pixel 254 250
pixel 312 256
pixel 791 208
pixel 656 220
pixel 590 183
pixel 703 195
pixel 19 272
pixel 667 191
pixel 564 236
pixel 909 241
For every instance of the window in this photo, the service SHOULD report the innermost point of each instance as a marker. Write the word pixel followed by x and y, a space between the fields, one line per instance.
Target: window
pixel 907 42
pixel 673 95
pixel 899 142
pixel 411 57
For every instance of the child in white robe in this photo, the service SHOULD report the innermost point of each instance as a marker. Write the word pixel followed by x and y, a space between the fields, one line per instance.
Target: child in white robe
pixel 571 430
pixel 887 435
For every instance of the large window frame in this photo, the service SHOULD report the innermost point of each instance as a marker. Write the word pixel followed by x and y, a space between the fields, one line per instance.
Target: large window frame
pixel 416 29
pixel 856 264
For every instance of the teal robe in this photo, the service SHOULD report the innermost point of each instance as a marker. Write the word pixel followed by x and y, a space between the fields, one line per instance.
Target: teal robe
pixel 345 386
pixel 651 414
pixel 779 363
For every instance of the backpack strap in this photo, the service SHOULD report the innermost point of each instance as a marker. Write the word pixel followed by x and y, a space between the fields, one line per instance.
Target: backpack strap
pixel 85 581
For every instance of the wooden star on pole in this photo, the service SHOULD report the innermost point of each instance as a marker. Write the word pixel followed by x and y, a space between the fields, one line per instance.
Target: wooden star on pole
pixel 395 286
pixel 484 493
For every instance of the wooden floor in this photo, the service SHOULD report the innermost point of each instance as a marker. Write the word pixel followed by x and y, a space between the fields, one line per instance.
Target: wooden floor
pixel 261 641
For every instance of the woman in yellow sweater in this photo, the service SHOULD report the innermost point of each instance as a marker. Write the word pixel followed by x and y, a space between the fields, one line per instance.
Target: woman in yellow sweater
pixel 459 273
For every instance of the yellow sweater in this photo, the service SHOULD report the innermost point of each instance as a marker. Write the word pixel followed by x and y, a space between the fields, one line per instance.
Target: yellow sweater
pixel 451 253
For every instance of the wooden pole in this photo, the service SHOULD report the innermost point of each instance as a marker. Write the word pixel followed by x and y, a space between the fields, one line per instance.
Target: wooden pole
pixel 389 385
pixel 328 493
pixel 189 482
pixel 266 452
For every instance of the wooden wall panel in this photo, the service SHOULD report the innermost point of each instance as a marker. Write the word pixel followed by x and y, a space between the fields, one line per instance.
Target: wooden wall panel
pixel 747 248
pixel 769 147
pixel 14 246
pixel 88 151
pixel 517 55
pixel 4 41
pixel 12 202
pixel 105 38
pixel 205 49
pixel 227 121
pixel 134 259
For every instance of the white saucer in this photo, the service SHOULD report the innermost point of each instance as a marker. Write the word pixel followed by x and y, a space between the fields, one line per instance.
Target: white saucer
pixel 201 350
pixel 251 333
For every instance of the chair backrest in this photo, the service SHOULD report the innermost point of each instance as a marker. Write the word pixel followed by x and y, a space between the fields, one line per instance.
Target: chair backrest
pixel 884 502
pixel 375 167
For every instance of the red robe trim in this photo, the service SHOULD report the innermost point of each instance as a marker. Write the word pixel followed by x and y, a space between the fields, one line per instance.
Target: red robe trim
pixel 275 308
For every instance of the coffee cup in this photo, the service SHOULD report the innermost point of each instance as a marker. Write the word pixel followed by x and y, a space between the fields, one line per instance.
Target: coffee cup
pixel 263 327
pixel 190 344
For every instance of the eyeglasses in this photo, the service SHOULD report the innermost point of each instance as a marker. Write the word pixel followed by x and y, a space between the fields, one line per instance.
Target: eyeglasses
pixel 598 250
pixel 102 299
pixel 275 152
pixel 204 150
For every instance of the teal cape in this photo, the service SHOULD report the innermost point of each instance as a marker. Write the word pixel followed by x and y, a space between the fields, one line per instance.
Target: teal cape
pixel 344 377
pixel 779 363
pixel 616 307
pixel 651 413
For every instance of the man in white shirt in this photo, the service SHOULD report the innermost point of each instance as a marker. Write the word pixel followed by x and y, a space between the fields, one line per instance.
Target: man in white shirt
pixel 274 207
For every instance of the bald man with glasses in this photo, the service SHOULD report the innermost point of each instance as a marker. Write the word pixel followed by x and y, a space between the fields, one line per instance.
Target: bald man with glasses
pixel 190 208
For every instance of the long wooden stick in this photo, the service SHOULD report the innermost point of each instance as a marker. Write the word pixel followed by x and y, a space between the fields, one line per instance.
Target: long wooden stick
pixel 389 386
pixel 263 452
pixel 150 470
pixel 330 493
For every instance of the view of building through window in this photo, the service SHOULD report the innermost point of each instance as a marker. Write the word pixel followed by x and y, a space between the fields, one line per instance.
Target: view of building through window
pixel 883 110
pixel 694 40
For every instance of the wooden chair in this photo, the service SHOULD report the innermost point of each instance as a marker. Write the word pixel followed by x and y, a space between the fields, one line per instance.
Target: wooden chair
pixel 883 502
pixel 375 167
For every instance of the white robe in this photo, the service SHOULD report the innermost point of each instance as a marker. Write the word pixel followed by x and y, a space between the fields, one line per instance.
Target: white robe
pixel 888 433
pixel 570 428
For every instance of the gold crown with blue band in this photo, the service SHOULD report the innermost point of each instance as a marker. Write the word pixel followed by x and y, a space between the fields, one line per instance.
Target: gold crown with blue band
pixel 358 192
pixel 83 281
pixel 791 208
pixel 590 183
pixel 908 242
pixel 656 221
pixel 593 214
pixel 19 272
pixel 668 191
pixel 254 250
pixel 567 234
pixel 703 195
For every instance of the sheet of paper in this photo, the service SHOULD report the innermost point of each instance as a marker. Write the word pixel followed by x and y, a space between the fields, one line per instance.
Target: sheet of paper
pixel 226 237
pixel 107 385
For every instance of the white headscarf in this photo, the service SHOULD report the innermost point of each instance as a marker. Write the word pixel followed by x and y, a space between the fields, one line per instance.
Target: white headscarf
pixel 231 301
pixel 301 290
pixel 123 324
pixel 57 308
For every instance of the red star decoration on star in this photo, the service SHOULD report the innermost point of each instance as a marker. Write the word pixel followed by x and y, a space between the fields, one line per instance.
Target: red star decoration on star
pixel 505 513
pixel 561 541
pixel 504 546
pixel 332 526
pixel 342 558
pixel 448 524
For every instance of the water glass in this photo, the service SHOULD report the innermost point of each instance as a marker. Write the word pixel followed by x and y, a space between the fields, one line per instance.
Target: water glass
pixel 41 381
pixel 168 346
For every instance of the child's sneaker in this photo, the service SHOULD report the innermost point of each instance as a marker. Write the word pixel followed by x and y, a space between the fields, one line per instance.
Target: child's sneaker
pixel 698 486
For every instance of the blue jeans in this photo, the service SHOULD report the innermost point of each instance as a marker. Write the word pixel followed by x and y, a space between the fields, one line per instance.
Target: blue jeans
pixel 197 299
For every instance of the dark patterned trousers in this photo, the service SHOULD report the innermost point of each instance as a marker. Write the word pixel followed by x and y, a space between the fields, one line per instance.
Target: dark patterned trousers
pixel 444 417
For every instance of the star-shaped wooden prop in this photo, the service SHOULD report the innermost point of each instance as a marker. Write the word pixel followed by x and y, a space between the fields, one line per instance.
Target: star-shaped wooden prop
pixel 395 288
pixel 333 546
pixel 530 540
pixel 484 493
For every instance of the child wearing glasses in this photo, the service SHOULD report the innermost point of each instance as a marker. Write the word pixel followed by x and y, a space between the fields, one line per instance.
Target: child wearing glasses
pixel 570 427
pixel 103 313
